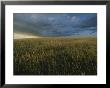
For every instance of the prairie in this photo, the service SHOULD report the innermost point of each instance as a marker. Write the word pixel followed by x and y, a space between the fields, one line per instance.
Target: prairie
pixel 55 56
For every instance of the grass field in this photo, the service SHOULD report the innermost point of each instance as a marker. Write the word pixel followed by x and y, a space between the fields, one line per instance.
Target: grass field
pixel 55 56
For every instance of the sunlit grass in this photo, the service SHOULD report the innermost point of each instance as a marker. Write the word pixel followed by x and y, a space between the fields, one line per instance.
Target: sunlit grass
pixel 55 56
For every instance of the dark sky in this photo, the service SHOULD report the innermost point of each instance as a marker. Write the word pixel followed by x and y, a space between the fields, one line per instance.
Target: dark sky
pixel 56 24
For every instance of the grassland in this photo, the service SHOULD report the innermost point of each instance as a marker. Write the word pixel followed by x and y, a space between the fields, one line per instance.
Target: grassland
pixel 55 56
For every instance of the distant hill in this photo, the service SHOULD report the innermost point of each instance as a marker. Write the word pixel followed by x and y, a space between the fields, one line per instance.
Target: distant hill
pixel 22 36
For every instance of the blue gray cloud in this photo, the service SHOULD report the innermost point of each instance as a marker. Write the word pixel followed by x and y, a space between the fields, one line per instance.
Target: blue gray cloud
pixel 56 24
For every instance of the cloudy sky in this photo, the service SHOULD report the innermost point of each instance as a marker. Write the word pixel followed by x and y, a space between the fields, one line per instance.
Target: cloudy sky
pixel 55 24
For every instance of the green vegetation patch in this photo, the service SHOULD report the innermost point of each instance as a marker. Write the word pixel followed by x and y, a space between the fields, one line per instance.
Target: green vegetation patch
pixel 55 56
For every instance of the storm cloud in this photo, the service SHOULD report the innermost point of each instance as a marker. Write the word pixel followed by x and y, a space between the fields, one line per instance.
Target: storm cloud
pixel 55 24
